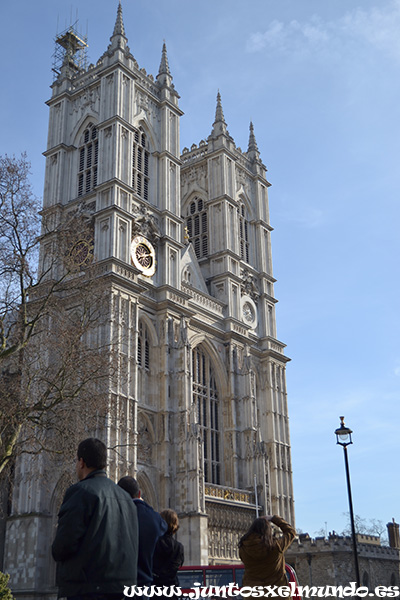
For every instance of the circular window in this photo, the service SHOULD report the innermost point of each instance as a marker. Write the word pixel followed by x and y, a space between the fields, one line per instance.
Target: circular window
pixel 249 311
pixel 143 256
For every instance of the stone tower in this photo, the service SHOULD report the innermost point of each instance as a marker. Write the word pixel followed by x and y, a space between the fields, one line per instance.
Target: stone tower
pixel 184 243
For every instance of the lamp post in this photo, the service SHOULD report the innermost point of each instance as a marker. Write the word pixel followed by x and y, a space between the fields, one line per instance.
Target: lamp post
pixel 343 438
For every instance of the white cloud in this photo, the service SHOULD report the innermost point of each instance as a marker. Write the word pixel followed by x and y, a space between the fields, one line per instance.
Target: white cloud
pixel 376 27
pixel 314 32
pixel 290 36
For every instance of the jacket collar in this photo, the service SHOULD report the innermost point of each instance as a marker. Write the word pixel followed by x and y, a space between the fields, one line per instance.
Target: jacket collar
pixel 97 473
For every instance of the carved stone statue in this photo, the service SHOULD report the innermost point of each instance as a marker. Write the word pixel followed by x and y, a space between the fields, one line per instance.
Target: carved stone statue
pixel 146 224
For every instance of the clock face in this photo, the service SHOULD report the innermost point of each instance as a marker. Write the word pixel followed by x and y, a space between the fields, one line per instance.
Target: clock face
pixel 81 251
pixel 249 311
pixel 143 255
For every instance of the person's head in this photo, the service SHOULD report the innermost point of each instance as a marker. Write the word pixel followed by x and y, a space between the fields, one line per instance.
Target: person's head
pixel 171 518
pixel 261 527
pixel 91 456
pixel 130 485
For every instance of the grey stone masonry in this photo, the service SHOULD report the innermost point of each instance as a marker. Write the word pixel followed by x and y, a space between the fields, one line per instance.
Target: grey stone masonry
pixel 329 561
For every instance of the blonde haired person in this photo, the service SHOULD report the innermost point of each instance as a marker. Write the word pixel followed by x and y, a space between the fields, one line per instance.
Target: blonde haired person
pixel 168 554
pixel 263 553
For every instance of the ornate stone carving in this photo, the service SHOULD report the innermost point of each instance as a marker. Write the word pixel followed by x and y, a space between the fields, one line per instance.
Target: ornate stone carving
pixel 197 175
pixel 146 224
pixel 247 362
pixel 229 438
pixel 263 375
pixel 242 180
pixel 171 333
pixel 182 425
pixel 252 384
pixel 226 525
pixel 236 363
pixel 145 442
pixel 261 447
pixel 187 274
pixel 145 106
pixel 249 284
pixel 88 101
pixel 250 447
pixel 163 331
pixel 184 340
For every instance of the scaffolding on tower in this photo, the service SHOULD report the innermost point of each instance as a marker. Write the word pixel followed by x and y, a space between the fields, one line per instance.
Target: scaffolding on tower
pixel 70 52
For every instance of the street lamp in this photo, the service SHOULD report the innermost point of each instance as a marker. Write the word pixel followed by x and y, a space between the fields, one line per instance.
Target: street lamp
pixel 343 438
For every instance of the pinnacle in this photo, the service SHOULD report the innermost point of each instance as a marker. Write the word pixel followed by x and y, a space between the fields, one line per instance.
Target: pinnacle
pixel 219 115
pixel 219 125
pixel 252 140
pixel 119 28
pixel 164 66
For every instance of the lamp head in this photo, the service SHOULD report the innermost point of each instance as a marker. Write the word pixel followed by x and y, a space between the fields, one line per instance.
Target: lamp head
pixel 343 434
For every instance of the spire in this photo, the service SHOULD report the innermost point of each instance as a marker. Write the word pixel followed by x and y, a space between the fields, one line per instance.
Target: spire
pixel 119 28
pixel 219 114
pixel 164 66
pixel 219 125
pixel 164 76
pixel 118 38
pixel 253 154
pixel 253 150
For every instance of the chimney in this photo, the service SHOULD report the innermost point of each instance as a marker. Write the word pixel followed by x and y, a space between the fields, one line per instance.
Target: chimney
pixel 394 536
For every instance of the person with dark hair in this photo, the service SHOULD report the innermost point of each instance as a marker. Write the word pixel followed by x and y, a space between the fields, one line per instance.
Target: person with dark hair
pixel 151 527
pixel 96 544
pixel 93 452
pixel 262 552
pixel 130 485
pixel 168 554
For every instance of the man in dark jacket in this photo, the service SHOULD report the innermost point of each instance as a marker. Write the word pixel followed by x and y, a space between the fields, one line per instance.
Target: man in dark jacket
pixel 96 544
pixel 151 527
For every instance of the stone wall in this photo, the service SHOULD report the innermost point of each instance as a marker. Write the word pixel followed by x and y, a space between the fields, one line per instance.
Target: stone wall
pixel 329 561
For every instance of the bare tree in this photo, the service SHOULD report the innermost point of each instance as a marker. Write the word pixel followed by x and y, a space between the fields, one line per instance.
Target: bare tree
pixel 54 346
pixel 367 527
pixel 19 229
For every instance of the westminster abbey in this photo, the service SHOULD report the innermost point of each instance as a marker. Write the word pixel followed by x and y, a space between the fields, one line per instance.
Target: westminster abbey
pixel 183 238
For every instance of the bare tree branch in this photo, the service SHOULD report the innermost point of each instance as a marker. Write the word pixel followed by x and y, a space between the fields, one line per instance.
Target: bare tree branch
pixel 53 360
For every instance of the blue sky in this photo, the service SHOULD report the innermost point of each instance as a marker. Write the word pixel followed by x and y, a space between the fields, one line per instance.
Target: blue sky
pixel 320 81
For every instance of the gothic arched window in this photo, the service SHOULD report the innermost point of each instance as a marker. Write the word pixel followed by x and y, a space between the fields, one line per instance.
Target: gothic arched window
pixel 243 234
pixel 88 159
pixel 197 227
pixel 205 397
pixel 143 347
pixel 140 164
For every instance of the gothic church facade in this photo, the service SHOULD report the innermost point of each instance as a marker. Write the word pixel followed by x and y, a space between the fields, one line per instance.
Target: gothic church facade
pixel 184 240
